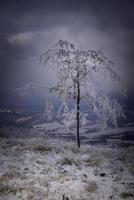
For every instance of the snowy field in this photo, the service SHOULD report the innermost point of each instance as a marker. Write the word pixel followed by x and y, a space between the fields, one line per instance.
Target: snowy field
pixel 43 163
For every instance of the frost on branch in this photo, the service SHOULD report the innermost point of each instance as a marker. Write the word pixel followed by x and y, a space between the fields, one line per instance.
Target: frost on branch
pixel 109 110
pixel 49 111
pixel 69 115
pixel 76 71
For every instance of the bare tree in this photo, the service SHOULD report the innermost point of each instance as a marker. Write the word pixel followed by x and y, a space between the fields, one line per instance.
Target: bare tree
pixel 77 71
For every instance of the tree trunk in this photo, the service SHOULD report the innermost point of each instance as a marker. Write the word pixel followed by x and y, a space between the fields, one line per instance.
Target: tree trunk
pixel 78 110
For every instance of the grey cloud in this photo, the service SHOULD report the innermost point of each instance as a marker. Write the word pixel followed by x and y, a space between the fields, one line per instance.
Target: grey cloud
pixel 30 27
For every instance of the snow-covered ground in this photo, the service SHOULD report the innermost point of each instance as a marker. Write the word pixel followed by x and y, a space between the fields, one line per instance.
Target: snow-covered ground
pixel 34 166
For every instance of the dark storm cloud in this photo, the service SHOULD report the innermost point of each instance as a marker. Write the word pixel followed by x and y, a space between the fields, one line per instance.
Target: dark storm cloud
pixel 27 26
pixel 109 12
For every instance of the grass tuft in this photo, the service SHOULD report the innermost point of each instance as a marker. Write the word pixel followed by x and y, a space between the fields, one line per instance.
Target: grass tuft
pixel 6 189
pixel 42 148
pixel 69 161
pixel 91 187
pixel 126 195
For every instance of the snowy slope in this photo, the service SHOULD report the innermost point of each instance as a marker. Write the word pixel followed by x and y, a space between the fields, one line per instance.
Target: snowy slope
pixel 52 169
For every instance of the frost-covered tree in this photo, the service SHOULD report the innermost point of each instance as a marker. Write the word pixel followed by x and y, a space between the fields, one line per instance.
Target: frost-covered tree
pixel 77 71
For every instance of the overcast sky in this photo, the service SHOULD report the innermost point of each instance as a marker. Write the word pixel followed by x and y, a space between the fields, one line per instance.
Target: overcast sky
pixel 28 28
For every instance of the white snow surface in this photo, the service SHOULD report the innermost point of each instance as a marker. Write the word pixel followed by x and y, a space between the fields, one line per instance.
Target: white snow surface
pixel 41 168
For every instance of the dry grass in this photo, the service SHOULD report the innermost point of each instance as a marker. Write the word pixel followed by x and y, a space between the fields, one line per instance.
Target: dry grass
pixel 91 162
pixel 91 187
pixel 126 195
pixel 6 189
pixel 42 148
pixel 12 175
pixel 69 161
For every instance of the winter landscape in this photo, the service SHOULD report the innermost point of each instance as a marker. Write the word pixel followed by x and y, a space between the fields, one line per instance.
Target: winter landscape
pixel 41 160
pixel 66 100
